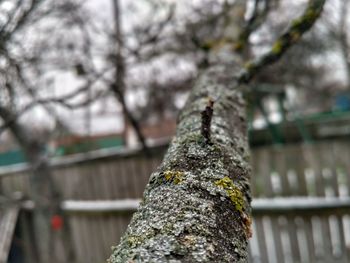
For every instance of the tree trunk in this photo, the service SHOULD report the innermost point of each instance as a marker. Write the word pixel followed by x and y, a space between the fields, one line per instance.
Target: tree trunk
pixel 196 206
pixel 343 40
pixel 42 190
pixel 118 87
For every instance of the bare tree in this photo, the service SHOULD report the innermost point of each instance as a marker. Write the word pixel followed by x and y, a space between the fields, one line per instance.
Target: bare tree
pixel 340 33
pixel 118 85
pixel 204 177
pixel 17 80
pixel 196 207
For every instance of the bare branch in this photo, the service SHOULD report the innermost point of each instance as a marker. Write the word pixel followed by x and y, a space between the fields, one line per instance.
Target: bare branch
pixel 63 100
pixel 21 20
pixel 152 33
pixel 10 17
pixel 298 27
pixel 259 14
pixel 343 37
pixel 118 87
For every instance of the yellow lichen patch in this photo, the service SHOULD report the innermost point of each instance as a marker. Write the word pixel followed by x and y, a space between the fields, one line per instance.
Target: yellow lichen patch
pixel 297 22
pixel 277 47
pixel 248 65
pixel 224 182
pixel 217 44
pixel 176 176
pixel 232 191
pixel 133 241
pixel 311 14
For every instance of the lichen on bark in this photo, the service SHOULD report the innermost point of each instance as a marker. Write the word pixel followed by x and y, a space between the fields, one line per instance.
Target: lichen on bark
pixel 185 214
pixel 196 206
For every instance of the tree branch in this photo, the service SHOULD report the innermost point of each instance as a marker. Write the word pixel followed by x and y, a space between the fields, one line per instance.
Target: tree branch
pixel 298 27
pixel 22 19
pixel 257 18
pixel 61 100
pixel 343 38
pixel 118 87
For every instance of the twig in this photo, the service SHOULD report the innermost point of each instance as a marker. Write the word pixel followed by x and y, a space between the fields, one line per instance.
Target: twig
pixel 254 22
pixel 298 27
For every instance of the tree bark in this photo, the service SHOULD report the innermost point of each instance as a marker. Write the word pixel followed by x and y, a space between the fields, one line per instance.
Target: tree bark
pixel 196 206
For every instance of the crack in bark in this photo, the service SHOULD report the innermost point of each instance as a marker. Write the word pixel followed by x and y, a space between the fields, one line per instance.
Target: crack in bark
pixel 207 115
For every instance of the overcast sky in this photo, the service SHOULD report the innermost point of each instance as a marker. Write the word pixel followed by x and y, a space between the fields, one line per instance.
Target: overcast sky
pixel 105 112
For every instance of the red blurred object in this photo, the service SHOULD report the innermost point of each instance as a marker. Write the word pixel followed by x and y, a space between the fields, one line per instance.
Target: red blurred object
pixel 56 222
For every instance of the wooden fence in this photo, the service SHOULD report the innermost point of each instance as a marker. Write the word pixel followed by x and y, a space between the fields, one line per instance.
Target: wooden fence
pixel 301 206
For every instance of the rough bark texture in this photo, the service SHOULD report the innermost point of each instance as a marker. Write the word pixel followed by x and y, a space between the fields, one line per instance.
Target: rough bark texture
pixel 196 207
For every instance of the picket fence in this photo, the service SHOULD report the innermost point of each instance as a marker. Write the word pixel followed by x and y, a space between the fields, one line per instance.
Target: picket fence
pixel 301 202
